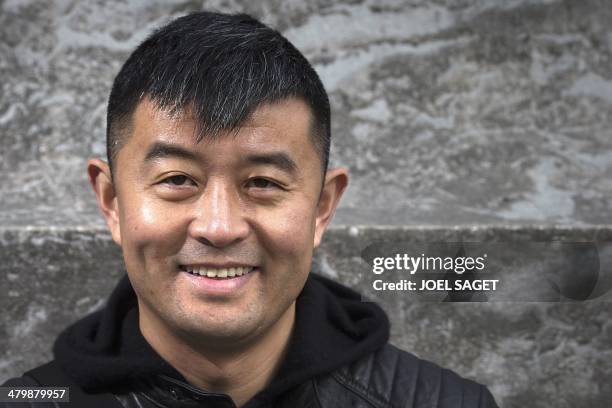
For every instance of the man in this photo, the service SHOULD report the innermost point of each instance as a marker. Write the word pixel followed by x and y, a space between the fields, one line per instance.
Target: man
pixel 217 190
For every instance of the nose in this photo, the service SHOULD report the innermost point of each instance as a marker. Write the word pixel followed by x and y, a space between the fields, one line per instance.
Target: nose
pixel 219 220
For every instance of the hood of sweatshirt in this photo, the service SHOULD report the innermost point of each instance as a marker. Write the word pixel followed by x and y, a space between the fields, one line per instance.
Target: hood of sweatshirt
pixel 333 327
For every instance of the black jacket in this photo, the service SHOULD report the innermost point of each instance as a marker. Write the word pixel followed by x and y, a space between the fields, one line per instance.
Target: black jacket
pixel 338 357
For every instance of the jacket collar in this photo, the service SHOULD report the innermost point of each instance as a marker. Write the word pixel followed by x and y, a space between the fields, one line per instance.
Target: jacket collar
pixel 333 327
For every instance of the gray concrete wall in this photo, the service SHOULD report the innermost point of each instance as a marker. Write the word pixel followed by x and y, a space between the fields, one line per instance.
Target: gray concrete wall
pixel 458 119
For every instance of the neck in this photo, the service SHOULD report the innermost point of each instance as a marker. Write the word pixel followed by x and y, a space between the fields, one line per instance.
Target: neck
pixel 240 372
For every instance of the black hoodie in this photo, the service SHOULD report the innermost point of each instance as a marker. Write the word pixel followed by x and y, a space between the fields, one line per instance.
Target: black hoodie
pixel 333 327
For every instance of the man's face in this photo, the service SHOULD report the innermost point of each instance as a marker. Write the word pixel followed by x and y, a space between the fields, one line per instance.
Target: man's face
pixel 248 201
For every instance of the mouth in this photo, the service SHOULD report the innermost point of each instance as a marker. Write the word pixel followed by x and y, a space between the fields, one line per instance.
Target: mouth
pixel 217 273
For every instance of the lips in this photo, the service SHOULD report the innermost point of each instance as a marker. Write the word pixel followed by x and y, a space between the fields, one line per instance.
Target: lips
pixel 210 281
pixel 217 272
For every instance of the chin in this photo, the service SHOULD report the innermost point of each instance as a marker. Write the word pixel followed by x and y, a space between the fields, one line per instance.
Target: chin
pixel 224 326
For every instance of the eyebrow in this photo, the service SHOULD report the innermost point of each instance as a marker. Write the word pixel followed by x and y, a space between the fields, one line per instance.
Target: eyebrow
pixel 281 160
pixel 160 150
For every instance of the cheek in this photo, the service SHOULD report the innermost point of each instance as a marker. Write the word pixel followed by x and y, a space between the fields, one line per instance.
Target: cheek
pixel 289 236
pixel 149 232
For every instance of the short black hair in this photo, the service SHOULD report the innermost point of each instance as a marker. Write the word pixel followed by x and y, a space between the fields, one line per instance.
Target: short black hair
pixel 220 67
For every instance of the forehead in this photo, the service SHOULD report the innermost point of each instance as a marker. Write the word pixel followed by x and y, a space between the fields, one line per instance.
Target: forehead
pixel 285 123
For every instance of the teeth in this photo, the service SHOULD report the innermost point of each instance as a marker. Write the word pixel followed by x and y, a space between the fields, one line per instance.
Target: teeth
pixel 218 272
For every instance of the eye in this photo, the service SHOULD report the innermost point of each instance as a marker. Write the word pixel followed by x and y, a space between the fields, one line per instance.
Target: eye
pixel 259 182
pixel 177 180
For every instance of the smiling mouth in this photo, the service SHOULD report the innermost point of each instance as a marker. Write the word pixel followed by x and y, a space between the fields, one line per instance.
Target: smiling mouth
pixel 217 273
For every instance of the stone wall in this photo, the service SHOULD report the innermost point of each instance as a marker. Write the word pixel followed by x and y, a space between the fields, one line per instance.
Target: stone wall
pixel 458 119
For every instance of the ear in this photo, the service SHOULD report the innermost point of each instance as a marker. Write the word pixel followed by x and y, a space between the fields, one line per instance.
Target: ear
pixel 334 185
pixel 101 181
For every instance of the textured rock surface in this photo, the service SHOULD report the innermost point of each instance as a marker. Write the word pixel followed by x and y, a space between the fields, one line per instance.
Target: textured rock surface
pixel 445 112
pixel 531 354
pixel 458 119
